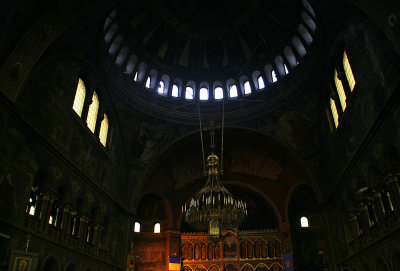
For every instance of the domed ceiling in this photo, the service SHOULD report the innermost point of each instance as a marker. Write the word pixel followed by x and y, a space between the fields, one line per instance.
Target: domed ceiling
pixel 206 50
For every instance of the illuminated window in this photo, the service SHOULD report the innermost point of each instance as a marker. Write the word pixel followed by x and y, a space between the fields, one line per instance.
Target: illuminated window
pixel 51 219
pixel 286 69
pixel 79 98
pixel 92 112
pixel 160 89
pixel 247 88
pixel 304 222
pixel 136 77
pixel 32 210
pixel 334 112
pixel 218 93
pixel 274 78
pixel 104 130
pixel 233 91
pixel 189 93
pixel 157 228
pixel 203 94
pixel 348 72
pixel 340 91
pixel 175 91
pixel 137 227
pixel 148 82
pixel 261 83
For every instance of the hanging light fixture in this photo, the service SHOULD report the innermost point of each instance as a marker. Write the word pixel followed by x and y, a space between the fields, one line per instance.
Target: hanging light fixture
pixel 214 208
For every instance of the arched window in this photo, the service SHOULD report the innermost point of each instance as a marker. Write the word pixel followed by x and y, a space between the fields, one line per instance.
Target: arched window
pixel 233 91
pixel 79 97
pixel 304 222
pixel 160 89
pixel 334 112
pixel 340 91
pixel 137 227
pixel 157 228
pixel 218 93
pixel 348 71
pixel 189 93
pixel 261 83
pixel 175 91
pixel 136 77
pixel 104 130
pixel 286 69
pixel 247 88
pixel 148 81
pixel 273 75
pixel 92 112
pixel 203 95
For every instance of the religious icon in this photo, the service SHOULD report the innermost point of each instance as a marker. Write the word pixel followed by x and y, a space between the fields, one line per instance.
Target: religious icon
pixel 214 227
pixel 22 264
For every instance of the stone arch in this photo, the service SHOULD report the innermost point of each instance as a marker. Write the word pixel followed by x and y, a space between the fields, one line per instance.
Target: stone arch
pixel 51 263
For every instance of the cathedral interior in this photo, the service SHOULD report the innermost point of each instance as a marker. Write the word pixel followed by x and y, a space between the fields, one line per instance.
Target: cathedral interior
pixel 109 109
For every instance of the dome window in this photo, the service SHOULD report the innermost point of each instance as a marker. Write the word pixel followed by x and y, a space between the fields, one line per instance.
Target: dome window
pixel 304 222
pixel 175 91
pixel 136 77
pixel 203 94
pixel 305 34
pixel 160 89
pixel 247 88
pixel 148 81
pixel 286 69
pixel 137 227
pixel 189 93
pixel 273 75
pixel 340 91
pixel 157 228
pixel 233 93
pixel 308 7
pixel 218 93
pixel 261 83
pixel 299 46
pixel 348 72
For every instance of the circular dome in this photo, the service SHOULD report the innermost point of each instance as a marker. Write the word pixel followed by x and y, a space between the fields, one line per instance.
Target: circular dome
pixel 208 51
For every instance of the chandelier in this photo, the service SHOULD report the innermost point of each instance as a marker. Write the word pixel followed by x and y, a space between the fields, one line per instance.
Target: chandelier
pixel 214 208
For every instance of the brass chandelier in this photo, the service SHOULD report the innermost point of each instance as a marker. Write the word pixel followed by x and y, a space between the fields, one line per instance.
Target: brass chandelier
pixel 214 208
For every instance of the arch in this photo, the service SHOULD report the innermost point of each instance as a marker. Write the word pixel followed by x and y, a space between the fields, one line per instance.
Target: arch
pixel 298 46
pixel 308 7
pixel 232 88
pixel 163 86
pixel 91 118
pixel 244 84
pixel 104 130
pixel 130 65
pixel 157 227
pixel 71 267
pixel 176 91
pixel 218 92
pixel 308 21
pixel 122 54
pixel 136 227
pixel 110 33
pixel 156 208
pixel 190 90
pixel 115 45
pixel 51 263
pixel 204 91
pixel 280 65
pixel 258 80
pixel 247 264
pixel 79 100
pixel 141 72
pixel 290 56
pixel 152 83
pixel 305 34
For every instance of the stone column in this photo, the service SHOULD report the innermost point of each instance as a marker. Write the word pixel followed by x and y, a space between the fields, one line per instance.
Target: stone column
pixel 65 220
pixel 83 225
